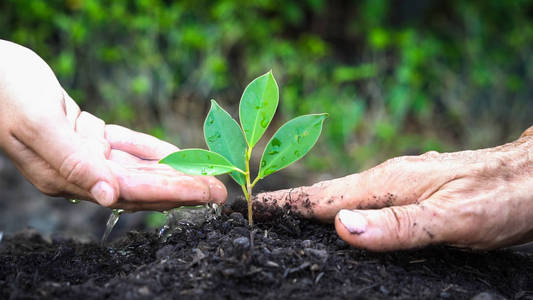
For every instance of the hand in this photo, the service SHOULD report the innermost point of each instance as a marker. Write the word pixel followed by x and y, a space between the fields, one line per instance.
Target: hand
pixel 477 199
pixel 66 152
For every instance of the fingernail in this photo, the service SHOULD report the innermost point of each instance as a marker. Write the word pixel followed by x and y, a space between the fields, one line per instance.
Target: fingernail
pixel 103 193
pixel 353 221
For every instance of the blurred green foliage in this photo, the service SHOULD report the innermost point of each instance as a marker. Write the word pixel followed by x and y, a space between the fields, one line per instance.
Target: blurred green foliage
pixel 396 77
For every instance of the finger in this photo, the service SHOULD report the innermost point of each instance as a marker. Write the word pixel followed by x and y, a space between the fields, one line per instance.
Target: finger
pixel 123 158
pixel 157 184
pixel 301 200
pixel 139 144
pixel 217 190
pixel 399 181
pixel 392 228
pixel 323 200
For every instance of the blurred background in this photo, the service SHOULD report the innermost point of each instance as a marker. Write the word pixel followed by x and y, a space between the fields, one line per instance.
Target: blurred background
pixel 396 77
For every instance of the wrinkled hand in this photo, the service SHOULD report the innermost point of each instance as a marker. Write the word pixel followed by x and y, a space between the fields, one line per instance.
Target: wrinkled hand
pixel 66 152
pixel 479 199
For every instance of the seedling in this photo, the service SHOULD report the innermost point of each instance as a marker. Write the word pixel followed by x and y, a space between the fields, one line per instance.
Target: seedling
pixel 231 145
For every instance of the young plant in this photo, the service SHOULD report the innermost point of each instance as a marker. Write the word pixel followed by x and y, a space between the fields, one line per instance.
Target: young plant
pixel 231 145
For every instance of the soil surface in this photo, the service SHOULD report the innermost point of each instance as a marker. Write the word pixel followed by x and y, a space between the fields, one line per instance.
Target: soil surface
pixel 284 257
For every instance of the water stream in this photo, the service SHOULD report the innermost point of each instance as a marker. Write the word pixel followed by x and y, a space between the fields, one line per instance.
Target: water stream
pixel 111 222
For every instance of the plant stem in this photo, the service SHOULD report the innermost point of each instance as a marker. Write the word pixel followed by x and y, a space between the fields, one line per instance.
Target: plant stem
pixel 248 190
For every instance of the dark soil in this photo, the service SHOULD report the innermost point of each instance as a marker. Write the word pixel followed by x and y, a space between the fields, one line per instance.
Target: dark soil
pixel 284 257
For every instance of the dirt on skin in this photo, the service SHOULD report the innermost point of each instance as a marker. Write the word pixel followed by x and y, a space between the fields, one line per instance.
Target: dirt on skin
pixel 285 256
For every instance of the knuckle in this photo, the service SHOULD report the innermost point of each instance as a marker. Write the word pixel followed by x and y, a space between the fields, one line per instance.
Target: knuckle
pixel 497 161
pixel 399 161
pixel 493 166
pixel 88 119
pixel 74 169
pixel 392 161
pixel 399 223
pixel 430 155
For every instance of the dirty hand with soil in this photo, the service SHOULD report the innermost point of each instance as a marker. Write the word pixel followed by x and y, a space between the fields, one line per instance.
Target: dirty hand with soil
pixel 67 152
pixel 480 199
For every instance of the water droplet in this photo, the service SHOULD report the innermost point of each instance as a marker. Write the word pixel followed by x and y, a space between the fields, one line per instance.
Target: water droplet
pixel 263 163
pixel 214 137
pixel 297 153
pixel 264 120
pixel 211 120
pixel 283 158
pixel 276 144
pixel 213 210
pixel 204 171
pixel 298 139
pixel 163 231
pixel 74 201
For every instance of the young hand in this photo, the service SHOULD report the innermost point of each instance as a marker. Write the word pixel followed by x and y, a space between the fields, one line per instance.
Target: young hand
pixel 67 152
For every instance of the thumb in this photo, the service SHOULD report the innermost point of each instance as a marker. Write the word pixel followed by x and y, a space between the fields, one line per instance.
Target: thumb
pixel 390 228
pixel 77 160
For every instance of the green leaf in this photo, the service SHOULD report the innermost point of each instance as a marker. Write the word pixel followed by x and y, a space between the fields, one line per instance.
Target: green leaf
pixel 224 136
pixel 291 142
pixel 257 107
pixel 199 162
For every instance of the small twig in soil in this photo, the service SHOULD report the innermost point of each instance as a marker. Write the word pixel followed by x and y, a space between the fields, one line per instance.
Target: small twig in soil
pixel 299 268
pixel 360 291
pixel 318 277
